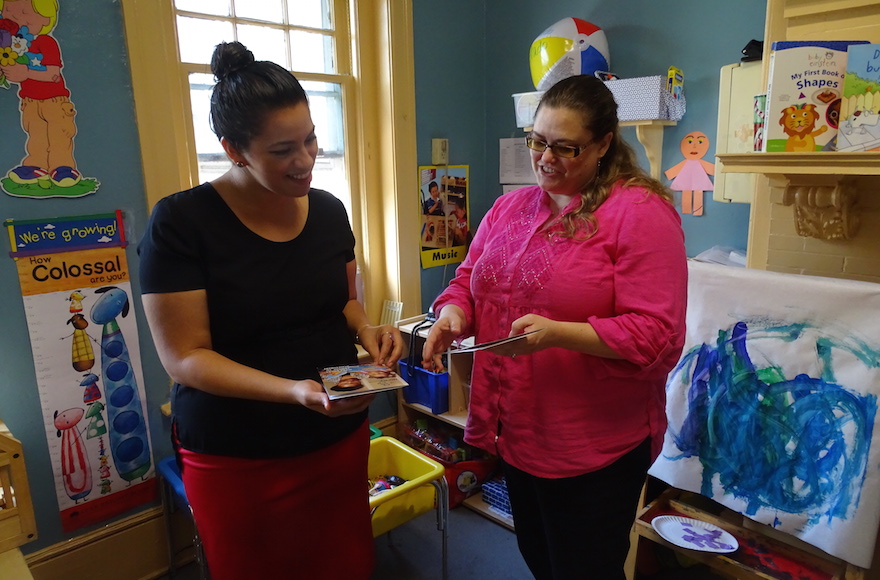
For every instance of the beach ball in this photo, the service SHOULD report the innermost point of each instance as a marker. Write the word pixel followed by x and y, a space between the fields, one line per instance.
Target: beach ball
pixel 570 47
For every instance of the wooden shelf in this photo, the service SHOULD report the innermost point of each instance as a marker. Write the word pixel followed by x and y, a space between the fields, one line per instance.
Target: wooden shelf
pixel 17 522
pixel 759 557
pixel 830 163
pixel 650 134
pixel 457 419
pixel 476 503
pixel 459 377
pixel 823 187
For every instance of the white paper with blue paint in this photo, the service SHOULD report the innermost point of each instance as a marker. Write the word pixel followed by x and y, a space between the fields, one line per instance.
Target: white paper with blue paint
pixel 773 406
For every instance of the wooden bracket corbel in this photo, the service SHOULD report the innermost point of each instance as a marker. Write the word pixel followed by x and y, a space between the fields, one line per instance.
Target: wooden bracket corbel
pixel 824 208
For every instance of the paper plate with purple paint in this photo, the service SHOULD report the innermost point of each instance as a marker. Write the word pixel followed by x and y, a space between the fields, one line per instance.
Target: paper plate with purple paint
pixel 694 534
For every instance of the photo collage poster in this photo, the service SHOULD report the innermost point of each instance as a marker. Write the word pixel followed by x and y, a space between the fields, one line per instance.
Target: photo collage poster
pixel 445 214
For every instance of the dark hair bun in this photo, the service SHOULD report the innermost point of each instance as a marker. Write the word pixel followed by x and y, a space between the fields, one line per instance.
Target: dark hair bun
pixel 229 58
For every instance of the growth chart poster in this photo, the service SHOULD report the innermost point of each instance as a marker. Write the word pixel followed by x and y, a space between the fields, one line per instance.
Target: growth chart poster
pixel 76 291
pixel 773 406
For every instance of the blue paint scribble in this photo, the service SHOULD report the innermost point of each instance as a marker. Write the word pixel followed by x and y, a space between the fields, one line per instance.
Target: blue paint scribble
pixel 795 445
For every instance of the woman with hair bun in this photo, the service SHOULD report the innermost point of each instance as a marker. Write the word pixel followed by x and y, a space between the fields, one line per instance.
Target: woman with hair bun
pixel 248 285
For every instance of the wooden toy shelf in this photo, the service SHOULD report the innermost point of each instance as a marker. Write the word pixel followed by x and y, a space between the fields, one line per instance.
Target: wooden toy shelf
pixel 759 556
pixel 459 377
pixel 17 523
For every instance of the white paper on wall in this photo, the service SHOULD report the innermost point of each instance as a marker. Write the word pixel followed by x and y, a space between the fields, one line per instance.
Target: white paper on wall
pixel 515 164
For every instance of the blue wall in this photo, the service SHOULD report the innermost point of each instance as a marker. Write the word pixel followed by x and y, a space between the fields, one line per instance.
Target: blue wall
pixel 90 34
pixel 468 67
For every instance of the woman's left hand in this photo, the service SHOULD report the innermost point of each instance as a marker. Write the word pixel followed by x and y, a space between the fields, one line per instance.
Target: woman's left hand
pixel 311 394
pixel 576 336
pixel 532 343
pixel 383 342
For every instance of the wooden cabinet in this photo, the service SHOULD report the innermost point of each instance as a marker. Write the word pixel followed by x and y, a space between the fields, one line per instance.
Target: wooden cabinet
pixel 459 368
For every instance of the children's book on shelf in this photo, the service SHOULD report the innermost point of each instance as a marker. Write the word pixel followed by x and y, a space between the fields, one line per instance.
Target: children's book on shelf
pixel 860 105
pixel 804 88
pixel 353 380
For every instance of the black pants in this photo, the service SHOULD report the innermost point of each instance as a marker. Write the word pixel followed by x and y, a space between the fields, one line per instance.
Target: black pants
pixel 578 527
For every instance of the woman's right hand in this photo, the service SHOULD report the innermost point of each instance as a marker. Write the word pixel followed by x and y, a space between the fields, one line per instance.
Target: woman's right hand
pixel 311 394
pixel 448 326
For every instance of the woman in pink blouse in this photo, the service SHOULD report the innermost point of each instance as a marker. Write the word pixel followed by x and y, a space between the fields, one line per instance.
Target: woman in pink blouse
pixel 594 256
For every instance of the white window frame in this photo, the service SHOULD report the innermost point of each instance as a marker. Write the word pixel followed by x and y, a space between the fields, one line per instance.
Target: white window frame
pixel 379 108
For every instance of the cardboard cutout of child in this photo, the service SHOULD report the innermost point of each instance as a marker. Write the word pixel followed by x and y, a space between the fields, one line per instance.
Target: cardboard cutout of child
pixel 32 60
pixel 691 176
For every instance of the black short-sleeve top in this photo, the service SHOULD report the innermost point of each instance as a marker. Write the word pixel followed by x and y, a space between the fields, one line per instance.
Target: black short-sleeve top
pixel 274 306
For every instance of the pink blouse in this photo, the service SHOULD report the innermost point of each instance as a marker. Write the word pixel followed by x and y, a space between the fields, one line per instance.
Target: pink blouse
pixel 560 413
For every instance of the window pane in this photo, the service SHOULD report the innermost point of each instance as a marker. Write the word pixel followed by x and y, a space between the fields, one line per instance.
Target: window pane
pixel 266 43
pixel 212 160
pixel 325 103
pixel 197 38
pixel 214 7
pixel 311 13
pixel 268 10
pixel 310 52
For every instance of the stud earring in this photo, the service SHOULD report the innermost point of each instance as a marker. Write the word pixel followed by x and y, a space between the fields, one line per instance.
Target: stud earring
pixel 239 163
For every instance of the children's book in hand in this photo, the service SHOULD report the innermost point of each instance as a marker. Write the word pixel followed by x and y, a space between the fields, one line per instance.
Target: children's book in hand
pixel 860 106
pixel 353 380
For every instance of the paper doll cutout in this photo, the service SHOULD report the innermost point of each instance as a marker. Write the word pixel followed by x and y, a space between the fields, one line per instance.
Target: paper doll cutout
pixel 31 58
pixel 691 176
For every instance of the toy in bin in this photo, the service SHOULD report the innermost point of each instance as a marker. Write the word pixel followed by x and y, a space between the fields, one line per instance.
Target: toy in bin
pixel 384 483
pixel 466 467
pixel 675 82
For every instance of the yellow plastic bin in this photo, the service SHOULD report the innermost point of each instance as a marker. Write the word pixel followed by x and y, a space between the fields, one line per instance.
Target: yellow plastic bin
pixel 388 456
pixel 423 476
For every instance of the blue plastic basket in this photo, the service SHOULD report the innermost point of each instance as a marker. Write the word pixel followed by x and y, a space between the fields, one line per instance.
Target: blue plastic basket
pixel 426 388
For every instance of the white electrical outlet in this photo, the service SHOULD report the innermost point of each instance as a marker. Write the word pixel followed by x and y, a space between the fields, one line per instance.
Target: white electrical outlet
pixel 440 151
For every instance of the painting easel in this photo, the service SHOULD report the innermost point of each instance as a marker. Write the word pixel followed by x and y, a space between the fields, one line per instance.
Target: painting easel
pixel 784 551
pixel 774 429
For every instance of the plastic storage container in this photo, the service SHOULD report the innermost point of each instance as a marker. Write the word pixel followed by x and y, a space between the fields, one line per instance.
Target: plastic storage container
pixel 495 494
pixel 644 98
pixel 398 505
pixel 375 432
pixel 466 467
pixel 426 388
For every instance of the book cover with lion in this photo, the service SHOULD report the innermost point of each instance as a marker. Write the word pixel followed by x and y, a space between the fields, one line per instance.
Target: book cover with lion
pixel 804 89
pixel 860 105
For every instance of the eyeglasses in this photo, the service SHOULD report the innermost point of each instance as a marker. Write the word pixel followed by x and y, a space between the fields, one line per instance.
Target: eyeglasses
pixel 567 151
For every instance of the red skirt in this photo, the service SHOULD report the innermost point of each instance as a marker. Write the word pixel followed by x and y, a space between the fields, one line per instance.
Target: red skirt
pixel 297 517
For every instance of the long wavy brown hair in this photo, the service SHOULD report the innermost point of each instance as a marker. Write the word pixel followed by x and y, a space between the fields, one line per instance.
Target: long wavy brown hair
pixel 595 103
